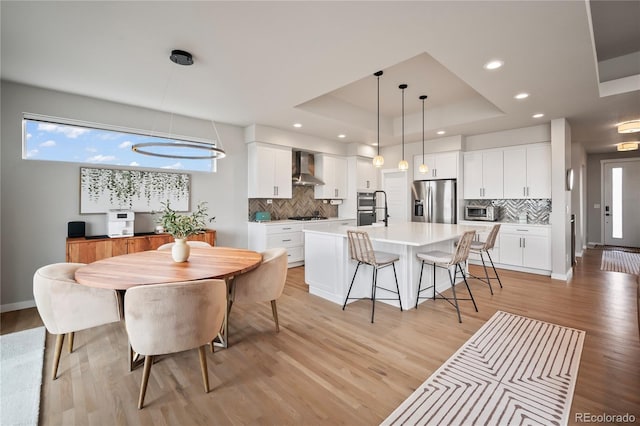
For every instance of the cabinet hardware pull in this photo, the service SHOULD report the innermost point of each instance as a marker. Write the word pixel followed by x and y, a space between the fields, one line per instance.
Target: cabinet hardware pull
pixel 284 241
pixel 520 242
pixel 527 191
pixel 522 230
pixel 286 228
pixel 524 243
pixel 524 191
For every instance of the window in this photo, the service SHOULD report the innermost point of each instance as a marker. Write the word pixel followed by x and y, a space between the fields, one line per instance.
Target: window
pixel 616 201
pixel 58 141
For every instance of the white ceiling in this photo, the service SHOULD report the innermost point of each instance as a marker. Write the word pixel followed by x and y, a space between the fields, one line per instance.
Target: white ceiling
pixel 276 63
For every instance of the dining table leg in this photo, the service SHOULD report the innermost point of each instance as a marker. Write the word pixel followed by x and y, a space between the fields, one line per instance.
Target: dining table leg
pixel 222 341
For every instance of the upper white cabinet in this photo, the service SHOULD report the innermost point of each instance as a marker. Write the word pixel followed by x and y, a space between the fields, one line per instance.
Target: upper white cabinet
pixel 269 171
pixel 527 172
pixel 441 166
pixel 333 171
pixel 366 175
pixel 483 175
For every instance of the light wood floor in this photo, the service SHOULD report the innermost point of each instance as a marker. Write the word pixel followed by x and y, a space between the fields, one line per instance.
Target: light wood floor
pixel 327 366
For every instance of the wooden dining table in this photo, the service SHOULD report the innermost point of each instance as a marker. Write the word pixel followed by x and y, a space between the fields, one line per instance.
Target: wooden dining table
pixel 157 266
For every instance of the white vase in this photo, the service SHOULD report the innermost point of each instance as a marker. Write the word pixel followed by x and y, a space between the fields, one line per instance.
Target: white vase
pixel 180 250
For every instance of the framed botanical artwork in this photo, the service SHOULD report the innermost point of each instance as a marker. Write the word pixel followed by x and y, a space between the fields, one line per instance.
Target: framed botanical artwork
pixel 141 191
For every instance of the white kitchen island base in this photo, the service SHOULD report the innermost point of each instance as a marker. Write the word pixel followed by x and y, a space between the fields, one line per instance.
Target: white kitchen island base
pixel 329 269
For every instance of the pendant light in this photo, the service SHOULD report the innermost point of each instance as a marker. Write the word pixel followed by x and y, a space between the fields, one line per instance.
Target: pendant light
pixel 423 167
pixel 192 150
pixel 403 165
pixel 378 160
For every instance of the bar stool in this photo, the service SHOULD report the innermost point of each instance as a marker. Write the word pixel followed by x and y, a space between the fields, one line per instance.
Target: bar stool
pixel 360 249
pixel 446 260
pixel 479 247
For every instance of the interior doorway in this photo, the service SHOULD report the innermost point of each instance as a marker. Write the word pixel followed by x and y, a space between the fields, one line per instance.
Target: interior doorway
pixel 396 185
pixel 621 202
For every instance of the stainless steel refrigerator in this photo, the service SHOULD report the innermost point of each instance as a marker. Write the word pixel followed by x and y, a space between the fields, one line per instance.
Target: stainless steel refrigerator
pixel 434 201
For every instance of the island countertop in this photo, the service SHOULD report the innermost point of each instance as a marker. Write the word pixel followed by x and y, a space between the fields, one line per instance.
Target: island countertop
pixel 406 233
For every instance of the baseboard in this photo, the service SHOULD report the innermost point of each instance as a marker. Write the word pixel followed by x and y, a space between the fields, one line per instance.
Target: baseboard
pixel 17 306
pixel 592 244
pixel 580 253
pixel 563 277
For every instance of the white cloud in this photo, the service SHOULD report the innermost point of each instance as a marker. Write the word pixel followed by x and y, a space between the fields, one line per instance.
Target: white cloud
pixel 177 165
pixel 100 158
pixel 68 131
pixel 134 163
pixel 29 135
pixel 125 144
pixel 91 149
pixel 48 143
pixel 32 153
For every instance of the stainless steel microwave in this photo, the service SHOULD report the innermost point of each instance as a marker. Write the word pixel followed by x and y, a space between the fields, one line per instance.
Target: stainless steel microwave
pixel 487 213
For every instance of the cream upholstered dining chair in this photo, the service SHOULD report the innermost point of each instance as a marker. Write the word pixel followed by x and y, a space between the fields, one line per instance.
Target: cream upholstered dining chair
pixel 447 260
pixel 480 247
pixel 196 244
pixel 361 250
pixel 265 283
pixel 66 306
pixel 174 317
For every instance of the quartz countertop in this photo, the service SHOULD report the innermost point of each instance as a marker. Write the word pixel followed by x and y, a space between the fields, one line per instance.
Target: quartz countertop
pixel 406 233
pixel 487 223
pixel 281 221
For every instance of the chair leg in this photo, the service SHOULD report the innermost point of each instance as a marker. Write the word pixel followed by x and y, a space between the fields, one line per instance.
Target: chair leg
pixel 148 362
pixel 349 292
pixel 71 336
pixel 455 298
pixel 468 289
pixel 419 283
pixel 373 292
pixel 434 281
pixel 203 367
pixel 397 286
pixel 494 269
pixel 274 310
pixel 486 273
pixel 56 355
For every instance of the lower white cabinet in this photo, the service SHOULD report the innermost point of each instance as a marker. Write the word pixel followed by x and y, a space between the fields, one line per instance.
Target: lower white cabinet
pixel 264 236
pixel 525 246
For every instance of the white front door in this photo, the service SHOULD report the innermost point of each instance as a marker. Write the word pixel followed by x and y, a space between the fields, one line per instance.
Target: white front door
pixel 622 203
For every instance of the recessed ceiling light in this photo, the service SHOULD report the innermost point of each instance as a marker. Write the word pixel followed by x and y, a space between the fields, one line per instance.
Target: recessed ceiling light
pixel 342 136
pixel 632 126
pixel 628 146
pixel 538 115
pixel 493 65
pixel 522 95
pixel 441 132
pixel 298 125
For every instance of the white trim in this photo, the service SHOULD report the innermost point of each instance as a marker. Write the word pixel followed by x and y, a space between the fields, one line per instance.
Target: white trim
pixel 603 163
pixel 18 306
pixel 563 277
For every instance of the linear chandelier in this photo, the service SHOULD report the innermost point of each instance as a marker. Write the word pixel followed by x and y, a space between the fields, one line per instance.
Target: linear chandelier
pixel 193 150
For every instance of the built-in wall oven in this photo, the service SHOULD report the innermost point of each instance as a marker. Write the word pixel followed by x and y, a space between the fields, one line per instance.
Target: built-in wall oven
pixel 366 208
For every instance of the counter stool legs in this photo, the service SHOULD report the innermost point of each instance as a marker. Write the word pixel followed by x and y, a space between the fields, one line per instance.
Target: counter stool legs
pixel 374 286
pixel 486 273
pixel 351 285
pixel 494 269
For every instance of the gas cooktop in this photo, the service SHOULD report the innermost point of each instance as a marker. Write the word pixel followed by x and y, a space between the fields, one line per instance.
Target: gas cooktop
pixel 307 218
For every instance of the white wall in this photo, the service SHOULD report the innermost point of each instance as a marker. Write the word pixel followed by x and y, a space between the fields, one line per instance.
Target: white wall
pixel 579 194
pixel 38 198
pixel 560 200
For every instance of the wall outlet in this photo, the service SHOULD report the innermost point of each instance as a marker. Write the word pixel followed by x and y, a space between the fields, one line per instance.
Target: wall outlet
pixel 269 201
pixel 324 201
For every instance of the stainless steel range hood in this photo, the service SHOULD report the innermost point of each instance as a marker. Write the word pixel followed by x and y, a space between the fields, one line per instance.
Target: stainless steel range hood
pixel 303 169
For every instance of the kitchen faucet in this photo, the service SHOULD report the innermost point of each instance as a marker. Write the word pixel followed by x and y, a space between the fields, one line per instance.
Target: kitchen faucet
pixel 386 208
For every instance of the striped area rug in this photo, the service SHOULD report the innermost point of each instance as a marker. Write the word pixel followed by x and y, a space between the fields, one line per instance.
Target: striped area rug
pixel 514 370
pixel 620 261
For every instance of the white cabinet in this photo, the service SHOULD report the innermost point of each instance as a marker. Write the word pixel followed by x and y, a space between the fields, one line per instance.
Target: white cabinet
pixel 441 166
pixel 527 172
pixel 483 175
pixel 264 236
pixel 366 175
pixel 269 171
pixel 333 171
pixel 525 246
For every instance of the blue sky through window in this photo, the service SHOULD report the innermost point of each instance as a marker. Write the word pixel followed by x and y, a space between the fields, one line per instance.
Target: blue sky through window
pixel 62 142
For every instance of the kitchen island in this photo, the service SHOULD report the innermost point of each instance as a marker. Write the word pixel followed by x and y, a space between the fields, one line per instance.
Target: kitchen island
pixel 329 269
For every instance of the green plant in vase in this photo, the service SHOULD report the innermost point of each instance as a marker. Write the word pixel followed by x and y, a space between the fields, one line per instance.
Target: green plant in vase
pixel 182 226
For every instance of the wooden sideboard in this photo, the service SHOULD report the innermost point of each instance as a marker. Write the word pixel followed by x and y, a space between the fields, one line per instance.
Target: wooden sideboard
pixel 83 250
